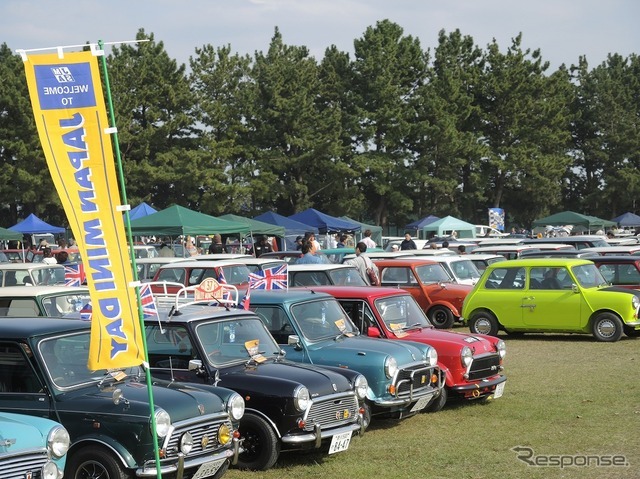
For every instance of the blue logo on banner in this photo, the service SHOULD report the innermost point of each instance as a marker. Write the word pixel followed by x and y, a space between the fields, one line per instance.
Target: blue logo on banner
pixel 65 86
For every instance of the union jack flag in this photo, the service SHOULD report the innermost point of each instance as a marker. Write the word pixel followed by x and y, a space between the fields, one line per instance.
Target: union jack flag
pixel 269 278
pixel 86 312
pixel 244 304
pixel 149 309
pixel 73 274
pixel 226 294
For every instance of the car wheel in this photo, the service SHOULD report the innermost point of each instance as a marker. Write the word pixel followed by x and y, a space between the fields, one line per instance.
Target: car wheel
pixel 441 317
pixel 606 327
pixel 91 462
pixel 630 332
pixel 260 444
pixel 437 402
pixel 366 416
pixel 484 323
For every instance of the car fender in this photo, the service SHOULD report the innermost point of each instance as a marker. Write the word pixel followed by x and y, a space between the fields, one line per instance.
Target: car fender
pixel 447 305
pixel 116 447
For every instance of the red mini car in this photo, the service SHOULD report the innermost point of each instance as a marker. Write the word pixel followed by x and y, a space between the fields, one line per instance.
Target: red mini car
pixel 472 364
pixel 430 285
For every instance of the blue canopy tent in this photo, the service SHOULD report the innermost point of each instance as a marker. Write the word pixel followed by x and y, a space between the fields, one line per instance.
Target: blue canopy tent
pixel 292 228
pixel 324 222
pixel 32 224
pixel 627 219
pixel 421 223
pixel 143 209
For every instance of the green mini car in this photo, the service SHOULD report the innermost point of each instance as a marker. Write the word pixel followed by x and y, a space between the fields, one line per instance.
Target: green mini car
pixel 554 295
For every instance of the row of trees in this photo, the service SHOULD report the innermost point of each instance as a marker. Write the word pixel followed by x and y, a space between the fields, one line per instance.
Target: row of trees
pixel 393 134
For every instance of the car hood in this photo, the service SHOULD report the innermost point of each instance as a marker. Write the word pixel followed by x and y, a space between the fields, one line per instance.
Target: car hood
pixel 618 289
pixel 439 338
pixel 25 434
pixel 284 376
pixel 352 350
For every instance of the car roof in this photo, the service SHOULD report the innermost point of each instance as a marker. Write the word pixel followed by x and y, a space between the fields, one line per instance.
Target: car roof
pixel 550 262
pixel 626 258
pixel 318 267
pixel 191 263
pixel 612 249
pixel 360 291
pixel 281 296
pixel 160 259
pixel 30 291
pixel 508 247
pixel 405 261
pixel 186 313
pixel 220 256
pixel 17 328
pixel 23 266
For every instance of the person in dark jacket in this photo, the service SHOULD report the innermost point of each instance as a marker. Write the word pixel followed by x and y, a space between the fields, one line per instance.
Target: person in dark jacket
pixel 408 243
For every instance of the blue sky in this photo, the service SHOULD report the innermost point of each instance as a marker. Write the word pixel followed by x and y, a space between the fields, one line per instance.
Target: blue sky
pixel 562 29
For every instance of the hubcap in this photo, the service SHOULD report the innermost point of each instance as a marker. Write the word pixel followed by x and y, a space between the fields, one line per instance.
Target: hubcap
pixel 606 328
pixel 483 326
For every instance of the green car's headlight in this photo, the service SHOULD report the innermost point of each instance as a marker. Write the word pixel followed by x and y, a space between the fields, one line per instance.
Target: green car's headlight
pixel 635 302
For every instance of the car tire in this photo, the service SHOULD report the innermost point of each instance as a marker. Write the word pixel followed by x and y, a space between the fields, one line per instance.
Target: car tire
pixel 631 332
pixel 260 444
pixel 441 317
pixel 95 461
pixel 438 402
pixel 606 327
pixel 484 322
pixel 366 416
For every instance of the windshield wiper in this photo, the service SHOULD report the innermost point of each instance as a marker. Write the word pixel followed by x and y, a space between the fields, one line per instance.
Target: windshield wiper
pixel 414 326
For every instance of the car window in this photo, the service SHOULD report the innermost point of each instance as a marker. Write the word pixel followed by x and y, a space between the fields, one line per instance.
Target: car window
pixel 322 319
pixel 346 276
pixel 173 275
pixel 276 321
pixel 310 278
pixel 16 373
pixel 397 276
pixel 588 275
pixel 506 278
pixel 432 273
pixel 18 307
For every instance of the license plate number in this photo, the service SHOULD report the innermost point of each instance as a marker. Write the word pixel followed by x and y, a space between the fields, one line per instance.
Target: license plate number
pixel 340 442
pixel 208 469
pixel 421 404
pixel 499 391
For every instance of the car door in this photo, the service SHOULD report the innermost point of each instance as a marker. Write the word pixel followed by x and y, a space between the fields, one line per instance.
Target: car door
pixel 405 278
pixel 549 302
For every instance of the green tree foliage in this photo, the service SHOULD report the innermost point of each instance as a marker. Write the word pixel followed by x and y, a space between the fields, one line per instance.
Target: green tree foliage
pixel 26 183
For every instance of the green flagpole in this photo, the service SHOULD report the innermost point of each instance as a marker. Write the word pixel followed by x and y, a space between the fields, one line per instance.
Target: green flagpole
pixel 123 194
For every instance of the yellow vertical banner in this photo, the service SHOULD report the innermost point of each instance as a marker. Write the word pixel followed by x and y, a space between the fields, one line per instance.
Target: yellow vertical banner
pixel 68 105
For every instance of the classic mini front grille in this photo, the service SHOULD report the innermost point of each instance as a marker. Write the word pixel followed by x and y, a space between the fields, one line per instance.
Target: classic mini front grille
pixel 413 380
pixel 23 465
pixel 484 366
pixel 204 433
pixel 332 411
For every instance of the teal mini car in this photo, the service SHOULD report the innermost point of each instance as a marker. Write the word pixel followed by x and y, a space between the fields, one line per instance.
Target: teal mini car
pixel 312 327
pixel 550 295
pixel 32 447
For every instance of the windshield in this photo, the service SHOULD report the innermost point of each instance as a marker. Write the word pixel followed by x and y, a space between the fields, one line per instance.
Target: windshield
pixel 346 276
pixel 65 359
pixel 464 269
pixel 401 313
pixel 322 319
pixel 588 275
pixel 239 339
pixel 68 305
pixel 432 273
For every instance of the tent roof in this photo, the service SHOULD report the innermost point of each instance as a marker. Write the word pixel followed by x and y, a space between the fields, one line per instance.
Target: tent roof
pixel 256 226
pixel 178 220
pixel 324 222
pixel 627 219
pixel 421 223
pixel 573 218
pixel 33 224
pixel 6 234
pixel 291 227
pixel 376 231
pixel 143 209
pixel 449 223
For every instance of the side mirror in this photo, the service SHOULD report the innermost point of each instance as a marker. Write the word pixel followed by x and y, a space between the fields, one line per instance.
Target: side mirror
pixel 294 340
pixel 373 332
pixel 195 365
pixel 574 288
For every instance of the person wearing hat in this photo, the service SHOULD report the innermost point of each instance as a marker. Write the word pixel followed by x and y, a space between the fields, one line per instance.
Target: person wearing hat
pixel 43 244
pixel 262 246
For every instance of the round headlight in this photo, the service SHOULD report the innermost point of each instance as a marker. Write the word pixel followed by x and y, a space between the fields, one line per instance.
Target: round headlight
pixel 466 356
pixel 50 471
pixel 58 441
pixel 163 422
pixel 390 367
pixel 301 398
pixel 225 434
pixel 501 347
pixel 432 357
pixel 361 386
pixel 235 407
pixel 635 302
pixel 186 443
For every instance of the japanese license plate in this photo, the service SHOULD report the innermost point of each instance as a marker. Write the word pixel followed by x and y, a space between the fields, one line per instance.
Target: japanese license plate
pixel 340 442
pixel 421 403
pixel 499 390
pixel 208 469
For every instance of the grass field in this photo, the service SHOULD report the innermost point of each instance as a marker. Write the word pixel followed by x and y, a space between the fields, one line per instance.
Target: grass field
pixel 567 399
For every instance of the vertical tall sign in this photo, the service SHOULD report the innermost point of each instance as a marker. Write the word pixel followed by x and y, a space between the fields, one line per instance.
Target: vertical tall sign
pixel 496 218
pixel 70 113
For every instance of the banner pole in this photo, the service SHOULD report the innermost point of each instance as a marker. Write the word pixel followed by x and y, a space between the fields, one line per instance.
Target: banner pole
pixel 123 193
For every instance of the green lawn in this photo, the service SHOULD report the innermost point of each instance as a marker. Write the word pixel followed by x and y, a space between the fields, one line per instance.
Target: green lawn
pixel 566 395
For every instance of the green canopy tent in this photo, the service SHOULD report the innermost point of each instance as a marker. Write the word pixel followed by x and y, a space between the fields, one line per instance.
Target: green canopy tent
pixel 255 226
pixel 177 220
pixel 580 220
pixel 7 234
pixel 447 225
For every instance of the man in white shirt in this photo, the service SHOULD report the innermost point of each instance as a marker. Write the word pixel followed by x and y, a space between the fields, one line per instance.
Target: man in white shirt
pixel 47 256
pixel 367 239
